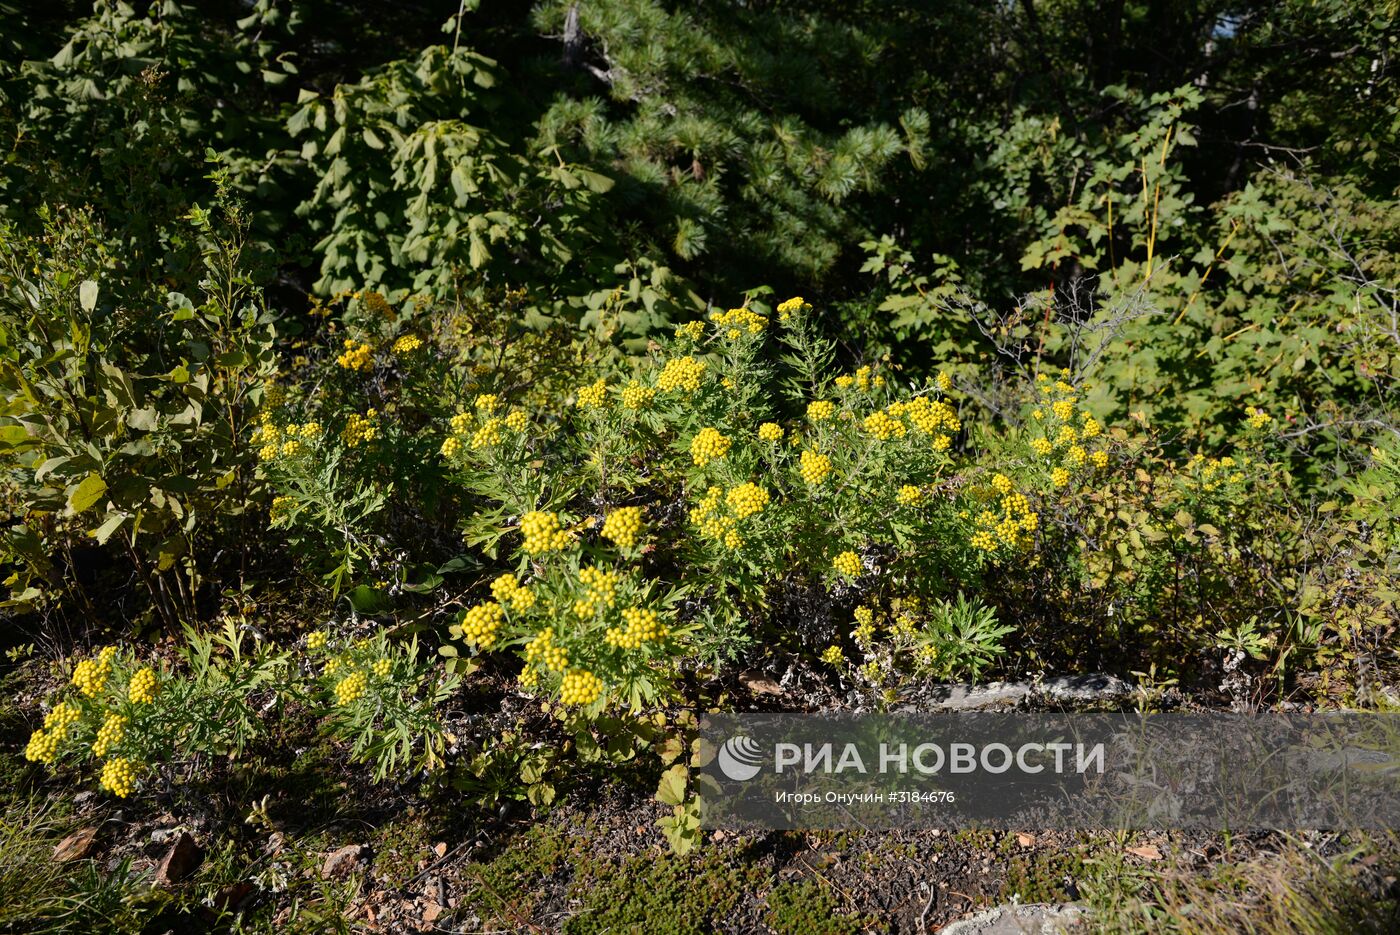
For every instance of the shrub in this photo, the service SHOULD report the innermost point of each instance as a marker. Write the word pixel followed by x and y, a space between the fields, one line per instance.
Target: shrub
pixel 123 420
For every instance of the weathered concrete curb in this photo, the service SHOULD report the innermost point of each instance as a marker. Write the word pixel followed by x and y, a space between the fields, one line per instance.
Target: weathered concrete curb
pixel 1027 919
pixel 1093 688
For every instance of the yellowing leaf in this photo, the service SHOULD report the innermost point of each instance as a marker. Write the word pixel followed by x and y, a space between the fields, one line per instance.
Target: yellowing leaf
pixel 87 493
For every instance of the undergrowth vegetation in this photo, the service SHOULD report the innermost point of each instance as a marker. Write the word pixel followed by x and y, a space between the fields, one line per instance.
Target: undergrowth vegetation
pixel 471 415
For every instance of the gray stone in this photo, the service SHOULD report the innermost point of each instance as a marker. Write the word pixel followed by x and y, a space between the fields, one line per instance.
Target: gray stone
pixel 990 696
pixel 1092 687
pixel 1028 919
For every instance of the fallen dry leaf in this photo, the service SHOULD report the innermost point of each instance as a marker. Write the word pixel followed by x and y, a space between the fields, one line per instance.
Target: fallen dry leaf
pixel 76 846
pixel 1146 852
pixel 759 683
pixel 1025 840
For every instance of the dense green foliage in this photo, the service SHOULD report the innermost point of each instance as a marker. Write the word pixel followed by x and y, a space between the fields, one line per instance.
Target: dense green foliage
pixel 582 356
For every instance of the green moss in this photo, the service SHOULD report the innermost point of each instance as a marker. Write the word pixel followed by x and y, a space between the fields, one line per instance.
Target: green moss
pixel 508 886
pixel 1039 877
pixel 808 908
pixel 661 893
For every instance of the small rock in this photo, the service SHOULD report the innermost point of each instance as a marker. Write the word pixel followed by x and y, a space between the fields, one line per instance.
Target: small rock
pixel 1025 840
pixel 76 846
pixel 1028 919
pixel 180 861
pixel 342 862
pixel 432 913
pixel 230 896
pixel 1093 687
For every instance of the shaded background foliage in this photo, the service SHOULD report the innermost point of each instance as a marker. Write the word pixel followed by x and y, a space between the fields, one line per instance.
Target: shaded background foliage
pixel 741 144
pixel 1193 204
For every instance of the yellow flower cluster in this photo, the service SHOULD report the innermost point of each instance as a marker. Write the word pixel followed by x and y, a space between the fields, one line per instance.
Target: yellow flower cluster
pixel 743 501
pixel 601 591
pixel 637 396
pixel 863 380
pixel 42 746
pixel 110 734
pixel 770 432
pixel 935 417
pixel 507 589
pixel 792 307
pixel 693 330
pixel 708 445
pixel 407 344
pixel 43 743
pixel 280 510
pixel 481 623
pixel 356 356
pixel 487 403
pixel 642 626
pixel 1061 432
pixel 883 426
pixel 712 524
pixel 738 321
pixel 142 687
pixel 1013 527
pixel 909 495
pixel 382 668
pixel 847 563
pixel 1209 473
pixel 821 410
pixel 360 429
pixel 580 687
pixel 814 467
pixel 351 688
pixel 833 656
pixel 91 675
pixel 316 641
pixel 623 526
pixel 593 396
pixel 515 421
pixel 488 434
pixel 747 499
pixel 119 776
pixel 543 650
pixel 1258 418
pixel 681 373
pixel 542 532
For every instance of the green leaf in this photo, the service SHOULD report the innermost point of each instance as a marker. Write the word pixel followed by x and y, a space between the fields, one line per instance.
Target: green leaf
pixel 671 789
pixel 112 524
pixel 14 435
pixel 367 600
pixel 87 493
pixel 87 294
